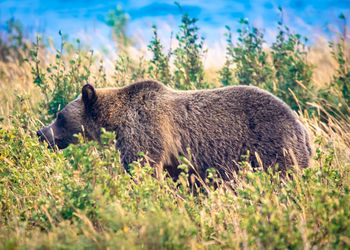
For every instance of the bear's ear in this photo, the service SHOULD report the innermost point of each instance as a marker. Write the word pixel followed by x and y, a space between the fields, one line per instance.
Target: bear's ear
pixel 88 95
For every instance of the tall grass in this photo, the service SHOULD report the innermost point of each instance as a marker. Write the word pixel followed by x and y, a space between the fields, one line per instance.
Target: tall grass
pixel 82 197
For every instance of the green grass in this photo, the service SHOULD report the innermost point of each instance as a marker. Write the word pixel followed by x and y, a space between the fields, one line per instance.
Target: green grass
pixel 82 197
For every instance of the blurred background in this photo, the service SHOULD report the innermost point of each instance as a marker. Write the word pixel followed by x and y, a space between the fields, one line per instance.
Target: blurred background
pixel 87 19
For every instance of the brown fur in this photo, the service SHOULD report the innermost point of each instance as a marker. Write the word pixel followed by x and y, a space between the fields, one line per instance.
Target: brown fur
pixel 218 126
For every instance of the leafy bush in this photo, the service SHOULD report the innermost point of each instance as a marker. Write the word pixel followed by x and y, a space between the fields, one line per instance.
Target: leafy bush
pixel 226 73
pixel 292 71
pixel 118 20
pixel 342 78
pixel 12 42
pixel 61 81
pixel 189 71
pixel 288 75
pixel 186 58
pixel 248 56
pixel 334 98
pixel 128 70
pixel 160 63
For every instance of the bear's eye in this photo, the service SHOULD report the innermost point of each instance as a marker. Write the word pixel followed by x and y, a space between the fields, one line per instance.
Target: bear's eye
pixel 61 120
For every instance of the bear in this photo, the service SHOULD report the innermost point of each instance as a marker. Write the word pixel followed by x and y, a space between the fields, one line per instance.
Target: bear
pixel 219 128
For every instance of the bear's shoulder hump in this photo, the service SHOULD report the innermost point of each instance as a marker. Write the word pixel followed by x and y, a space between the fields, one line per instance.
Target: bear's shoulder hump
pixel 149 85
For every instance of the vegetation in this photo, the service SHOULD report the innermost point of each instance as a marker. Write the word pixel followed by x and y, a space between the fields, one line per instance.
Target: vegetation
pixel 160 62
pixel 248 56
pixel 62 80
pixel 341 80
pixel 118 20
pixel 82 197
pixel 189 71
pixel 293 73
pixel 12 42
pixel 282 70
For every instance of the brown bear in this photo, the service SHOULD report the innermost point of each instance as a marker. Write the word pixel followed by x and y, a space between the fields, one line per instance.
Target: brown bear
pixel 218 126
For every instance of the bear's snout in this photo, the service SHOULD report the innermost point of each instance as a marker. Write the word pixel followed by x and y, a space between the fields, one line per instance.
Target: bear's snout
pixel 40 135
pixel 46 134
pixel 43 137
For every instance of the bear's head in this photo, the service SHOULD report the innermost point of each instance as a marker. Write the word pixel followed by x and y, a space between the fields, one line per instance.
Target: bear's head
pixel 69 121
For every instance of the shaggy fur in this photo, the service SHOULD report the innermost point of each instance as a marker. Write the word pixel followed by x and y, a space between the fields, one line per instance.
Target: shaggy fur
pixel 218 126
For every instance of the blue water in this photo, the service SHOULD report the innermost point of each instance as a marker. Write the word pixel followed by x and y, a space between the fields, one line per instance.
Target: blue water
pixel 77 17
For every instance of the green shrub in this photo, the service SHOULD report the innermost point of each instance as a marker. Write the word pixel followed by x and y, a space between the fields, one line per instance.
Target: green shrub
pixel 61 82
pixel 118 20
pixel 189 72
pixel 249 58
pixel 12 42
pixel 160 63
pixel 293 74
pixel 128 70
pixel 334 99
pixel 288 74
pixel 341 80
pixel 226 75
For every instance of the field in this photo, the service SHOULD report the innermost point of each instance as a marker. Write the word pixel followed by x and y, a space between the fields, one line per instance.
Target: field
pixel 81 197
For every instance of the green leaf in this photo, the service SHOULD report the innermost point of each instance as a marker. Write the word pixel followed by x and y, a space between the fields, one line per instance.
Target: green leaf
pixel 342 16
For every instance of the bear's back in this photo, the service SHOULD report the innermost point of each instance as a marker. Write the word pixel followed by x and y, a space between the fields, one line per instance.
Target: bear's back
pixel 221 125
pixel 141 87
pixel 218 126
pixel 243 104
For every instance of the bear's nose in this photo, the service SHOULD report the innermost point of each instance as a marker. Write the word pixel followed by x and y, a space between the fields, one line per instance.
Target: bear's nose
pixel 39 134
